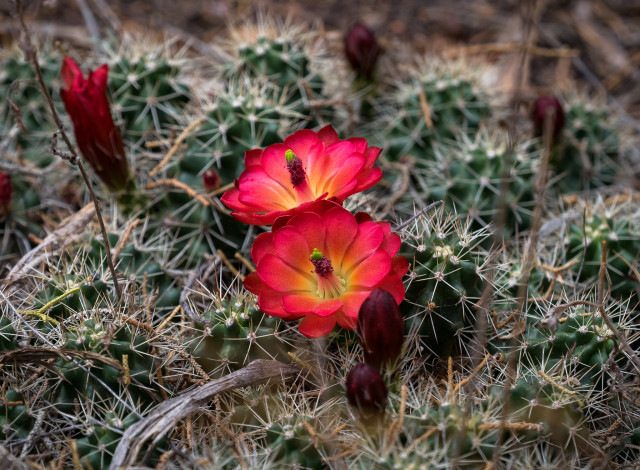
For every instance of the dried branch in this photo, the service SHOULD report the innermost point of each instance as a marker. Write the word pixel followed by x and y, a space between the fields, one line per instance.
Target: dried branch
pixel 69 230
pixel 168 414
pixel 31 55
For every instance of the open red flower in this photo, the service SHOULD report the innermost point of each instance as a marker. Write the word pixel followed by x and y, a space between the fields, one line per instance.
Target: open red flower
pixel 283 179
pixel 97 136
pixel 321 265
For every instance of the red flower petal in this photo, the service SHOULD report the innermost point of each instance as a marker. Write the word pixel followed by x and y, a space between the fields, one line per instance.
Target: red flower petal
pixel 341 230
pixel 300 142
pixel 313 326
pixel 252 157
pixel 365 243
pixel 371 271
pixel 262 245
pixel 328 135
pixel 369 178
pixel 359 143
pixel 310 304
pixel 282 277
pixel 353 301
pixel 261 190
pixel 274 163
pixel 346 322
pixel 312 227
pixel 394 286
pixel 69 72
pixel 342 180
pixel 292 247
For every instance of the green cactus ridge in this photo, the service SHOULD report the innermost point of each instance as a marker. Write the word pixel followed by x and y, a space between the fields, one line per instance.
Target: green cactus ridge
pixel 236 334
pixel 446 279
pixel 454 105
pixel 589 152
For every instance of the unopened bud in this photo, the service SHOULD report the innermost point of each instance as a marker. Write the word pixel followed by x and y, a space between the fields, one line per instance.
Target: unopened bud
pixel 551 105
pixel 366 389
pixel 380 329
pixel 362 50
pixel 5 193
pixel 210 180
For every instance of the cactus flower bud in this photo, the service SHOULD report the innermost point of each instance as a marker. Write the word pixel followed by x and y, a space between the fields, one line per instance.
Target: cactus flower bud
pixel 5 193
pixel 366 389
pixel 552 105
pixel 380 328
pixel 97 136
pixel 210 180
pixel 362 50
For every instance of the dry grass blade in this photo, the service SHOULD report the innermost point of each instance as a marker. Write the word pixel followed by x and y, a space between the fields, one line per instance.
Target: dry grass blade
pixel 169 413
pixel 69 230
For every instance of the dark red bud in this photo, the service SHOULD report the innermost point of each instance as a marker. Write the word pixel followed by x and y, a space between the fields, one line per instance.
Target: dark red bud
pixel 5 193
pixel 210 180
pixel 366 389
pixel 548 104
pixel 362 50
pixel 98 138
pixel 380 329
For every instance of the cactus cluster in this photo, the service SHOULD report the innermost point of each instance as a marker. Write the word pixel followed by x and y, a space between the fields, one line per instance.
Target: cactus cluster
pixel 432 106
pixel 447 277
pixel 234 332
pixel 551 381
pixel 473 174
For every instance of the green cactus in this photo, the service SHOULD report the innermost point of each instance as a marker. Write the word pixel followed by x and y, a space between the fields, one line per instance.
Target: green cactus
pixel 470 174
pixel 148 91
pixel 97 448
pixel 243 116
pixel 446 280
pixel 278 54
pixel 432 106
pixel 582 344
pixel 292 445
pixel 617 225
pixel 18 83
pixel 236 334
pixel 15 420
pixel 21 220
pixel 586 158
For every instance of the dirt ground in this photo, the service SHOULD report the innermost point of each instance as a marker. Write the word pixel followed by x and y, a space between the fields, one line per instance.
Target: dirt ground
pixel 601 38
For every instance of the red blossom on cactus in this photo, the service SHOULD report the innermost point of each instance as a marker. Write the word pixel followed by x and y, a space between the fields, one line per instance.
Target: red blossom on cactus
pixel 5 193
pixel 97 136
pixel 321 264
pixel 283 179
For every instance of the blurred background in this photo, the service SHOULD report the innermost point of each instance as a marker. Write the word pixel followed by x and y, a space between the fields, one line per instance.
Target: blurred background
pixel 600 38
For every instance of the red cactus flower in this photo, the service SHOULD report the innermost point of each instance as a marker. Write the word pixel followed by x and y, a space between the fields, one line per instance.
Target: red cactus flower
pixel 97 136
pixel 284 179
pixel 362 50
pixel 322 264
pixel 5 193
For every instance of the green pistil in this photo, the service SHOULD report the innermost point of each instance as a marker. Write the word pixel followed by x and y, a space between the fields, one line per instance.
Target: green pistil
pixel 316 255
pixel 289 155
